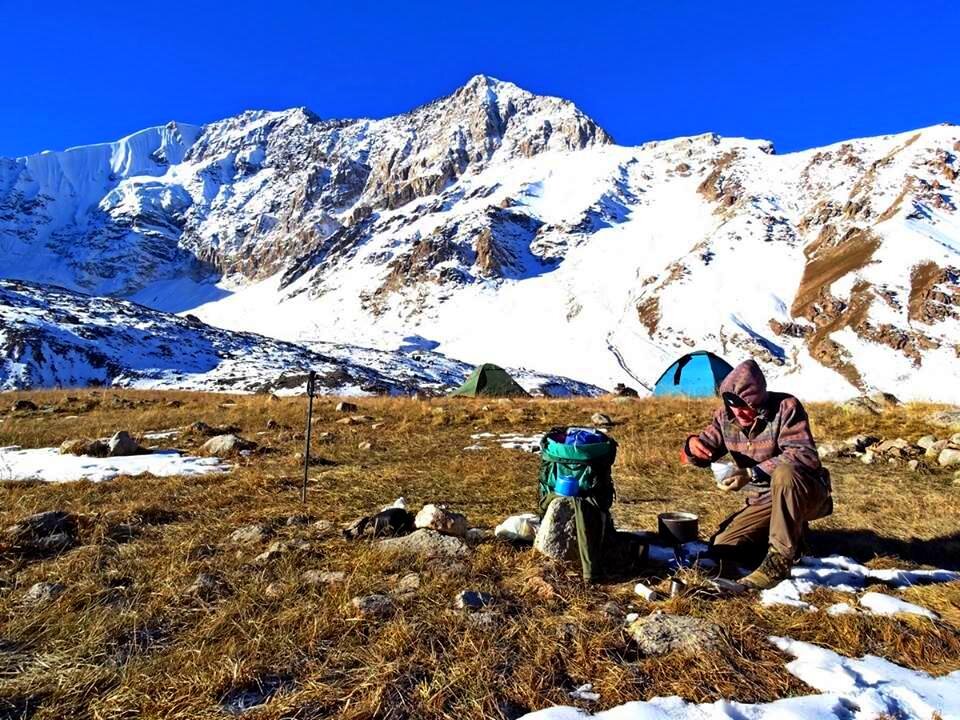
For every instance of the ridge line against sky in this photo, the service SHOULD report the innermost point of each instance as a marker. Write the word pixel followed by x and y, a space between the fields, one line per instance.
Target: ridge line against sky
pixel 84 73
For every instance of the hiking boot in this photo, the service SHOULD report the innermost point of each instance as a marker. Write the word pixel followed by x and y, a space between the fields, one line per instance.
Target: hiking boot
pixel 774 569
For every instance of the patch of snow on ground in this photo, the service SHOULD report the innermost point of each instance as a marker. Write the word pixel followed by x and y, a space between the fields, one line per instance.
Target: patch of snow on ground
pixel 850 689
pixel 880 604
pixel 48 465
pixel 510 441
pixel 843 574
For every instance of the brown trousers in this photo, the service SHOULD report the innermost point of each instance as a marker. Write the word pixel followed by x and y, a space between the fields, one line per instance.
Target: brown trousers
pixel 776 519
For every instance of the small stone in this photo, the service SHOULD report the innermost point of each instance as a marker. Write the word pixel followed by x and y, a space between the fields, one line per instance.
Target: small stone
pixel 271 554
pixel 297 520
pixel 323 577
pixel 249 534
pixel 408 584
pixel 933 452
pixel 956 478
pixel 226 445
pixel 366 445
pixel 949 419
pixel 557 536
pixel 828 450
pixel 955 439
pixel 484 618
pixel 324 527
pixel 122 445
pixel 475 536
pixel 612 609
pixel 926 442
pixel 377 425
pixel 41 525
pixel 949 457
pixel 205 587
pixel 426 543
pixel 884 400
pixel 868 458
pixel 914 465
pixel 442 520
pixel 601 419
pixel 323 437
pixel 346 407
pixel 662 633
pixel 23 406
pixel 42 593
pixel 74 446
pixel 372 606
pixel 273 590
pixel 473 600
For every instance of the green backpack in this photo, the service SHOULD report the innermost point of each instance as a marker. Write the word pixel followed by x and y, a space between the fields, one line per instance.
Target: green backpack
pixel 590 463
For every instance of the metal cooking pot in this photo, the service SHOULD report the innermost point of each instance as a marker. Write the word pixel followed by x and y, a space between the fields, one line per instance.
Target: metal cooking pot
pixel 676 528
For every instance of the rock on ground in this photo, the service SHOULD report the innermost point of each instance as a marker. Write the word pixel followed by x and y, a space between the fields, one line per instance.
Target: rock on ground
pixel 23 406
pixel 442 520
pixel 121 445
pixel 663 633
pixel 949 457
pixel 43 592
pixel 949 419
pixel 44 533
pixel 861 406
pixel 250 534
pixel 557 536
pixel 323 577
pixel 426 543
pixel 205 587
pixel 372 606
pixel 926 441
pixel 226 445
pixel 519 528
pixel 346 407
pixel 601 419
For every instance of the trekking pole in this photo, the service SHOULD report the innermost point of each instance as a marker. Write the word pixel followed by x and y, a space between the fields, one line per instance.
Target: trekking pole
pixel 311 379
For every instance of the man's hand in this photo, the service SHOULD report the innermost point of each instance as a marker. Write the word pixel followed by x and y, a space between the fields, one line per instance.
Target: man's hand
pixel 699 450
pixel 736 481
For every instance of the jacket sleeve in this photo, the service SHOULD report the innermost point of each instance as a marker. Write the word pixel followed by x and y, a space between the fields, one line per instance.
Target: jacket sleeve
pixel 794 440
pixel 712 437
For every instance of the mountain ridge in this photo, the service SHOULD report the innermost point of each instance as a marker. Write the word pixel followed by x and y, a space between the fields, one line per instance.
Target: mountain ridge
pixel 477 218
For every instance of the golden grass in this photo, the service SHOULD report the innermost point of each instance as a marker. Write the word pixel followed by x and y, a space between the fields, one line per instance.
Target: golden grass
pixel 125 640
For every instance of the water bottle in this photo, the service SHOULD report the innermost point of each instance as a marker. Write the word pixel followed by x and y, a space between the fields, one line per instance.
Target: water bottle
pixel 567 485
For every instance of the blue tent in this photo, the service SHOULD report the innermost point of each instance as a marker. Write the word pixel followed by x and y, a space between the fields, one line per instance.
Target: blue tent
pixel 698 374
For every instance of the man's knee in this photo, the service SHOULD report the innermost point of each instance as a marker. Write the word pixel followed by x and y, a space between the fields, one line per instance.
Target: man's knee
pixel 784 476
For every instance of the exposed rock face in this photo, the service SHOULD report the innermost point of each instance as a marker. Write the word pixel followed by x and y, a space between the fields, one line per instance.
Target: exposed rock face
pixel 557 536
pixel 404 220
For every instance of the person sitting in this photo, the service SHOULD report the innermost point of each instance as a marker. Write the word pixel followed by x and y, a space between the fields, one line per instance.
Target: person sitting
pixel 768 436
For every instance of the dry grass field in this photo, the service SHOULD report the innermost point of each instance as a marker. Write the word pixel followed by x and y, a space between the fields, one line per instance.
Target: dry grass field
pixel 128 639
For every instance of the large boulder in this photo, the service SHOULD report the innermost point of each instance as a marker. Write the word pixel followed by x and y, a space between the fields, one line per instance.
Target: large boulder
pixel 122 444
pixel 226 445
pixel 662 633
pixel 426 543
pixel 557 536
pixel 442 520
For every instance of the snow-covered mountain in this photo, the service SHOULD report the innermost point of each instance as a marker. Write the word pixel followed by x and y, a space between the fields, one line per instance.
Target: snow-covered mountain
pixel 52 337
pixel 498 225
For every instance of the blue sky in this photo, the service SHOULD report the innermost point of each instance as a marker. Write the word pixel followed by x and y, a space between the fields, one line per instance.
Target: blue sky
pixel 800 74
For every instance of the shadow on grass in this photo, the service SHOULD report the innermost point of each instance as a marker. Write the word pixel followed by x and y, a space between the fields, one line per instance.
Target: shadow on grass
pixel 862 545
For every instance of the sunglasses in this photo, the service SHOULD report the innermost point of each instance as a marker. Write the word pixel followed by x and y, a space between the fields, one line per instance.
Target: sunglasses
pixel 733 400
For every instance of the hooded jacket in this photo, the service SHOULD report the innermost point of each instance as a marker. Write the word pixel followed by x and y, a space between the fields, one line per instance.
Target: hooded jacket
pixel 780 434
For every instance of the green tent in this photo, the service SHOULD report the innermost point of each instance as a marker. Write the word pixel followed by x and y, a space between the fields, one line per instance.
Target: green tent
pixel 490 381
